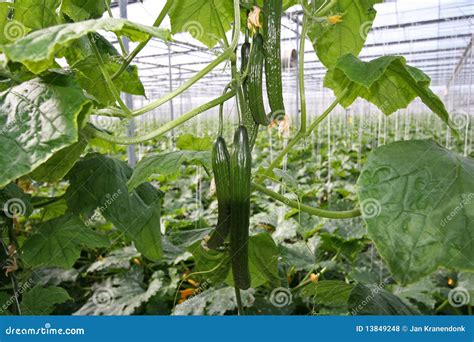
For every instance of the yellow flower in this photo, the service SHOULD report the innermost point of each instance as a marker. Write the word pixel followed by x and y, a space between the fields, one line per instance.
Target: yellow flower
pixel 334 19
pixel 253 22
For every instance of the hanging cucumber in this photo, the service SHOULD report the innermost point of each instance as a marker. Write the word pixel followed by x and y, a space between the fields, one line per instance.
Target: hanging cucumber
pixel 249 122
pixel 254 81
pixel 240 173
pixel 272 12
pixel 221 169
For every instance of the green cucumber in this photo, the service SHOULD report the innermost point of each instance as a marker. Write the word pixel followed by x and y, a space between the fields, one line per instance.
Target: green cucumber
pixel 249 122
pixel 254 81
pixel 272 12
pixel 240 173
pixel 221 169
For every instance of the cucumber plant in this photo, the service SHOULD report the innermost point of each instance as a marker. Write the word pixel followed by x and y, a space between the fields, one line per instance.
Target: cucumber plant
pixel 407 191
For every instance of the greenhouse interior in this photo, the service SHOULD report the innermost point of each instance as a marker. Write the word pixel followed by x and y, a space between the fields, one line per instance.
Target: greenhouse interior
pixel 226 157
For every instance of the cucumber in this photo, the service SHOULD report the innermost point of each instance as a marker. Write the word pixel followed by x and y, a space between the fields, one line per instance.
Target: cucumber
pixel 240 173
pixel 221 169
pixel 272 12
pixel 249 122
pixel 254 81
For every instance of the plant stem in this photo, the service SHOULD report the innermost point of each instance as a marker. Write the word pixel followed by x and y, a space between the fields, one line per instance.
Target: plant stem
pixel 140 46
pixel 325 9
pixel 185 85
pixel 301 75
pixel 119 39
pixel 306 208
pixel 108 80
pixel 240 307
pixel 162 129
pixel 442 306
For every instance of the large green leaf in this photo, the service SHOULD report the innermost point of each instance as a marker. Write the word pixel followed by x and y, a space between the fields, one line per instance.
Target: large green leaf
pixel 192 143
pixel 56 167
pixel 418 201
pixel 82 60
pixel 388 82
pixel 37 119
pixel 99 182
pixel 37 14
pixel 202 19
pixel 329 292
pixel 40 301
pixel 167 164
pixel 38 49
pixel 263 261
pixel 331 41
pixel 58 242
pixel 79 10
pixel 5 300
pixel 375 300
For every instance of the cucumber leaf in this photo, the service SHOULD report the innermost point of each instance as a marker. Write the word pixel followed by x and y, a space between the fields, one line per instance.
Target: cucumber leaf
pixel 38 49
pixel 37 14
pixel 167 164
pixel 40 301
pixel 202 19
pixel 37 119
pixel 331 41
pixel 375 300
pixel 388 82
pixel 58 243
pixel 83 61
pixel 417 199
pixel 99 183
pixel 79 10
